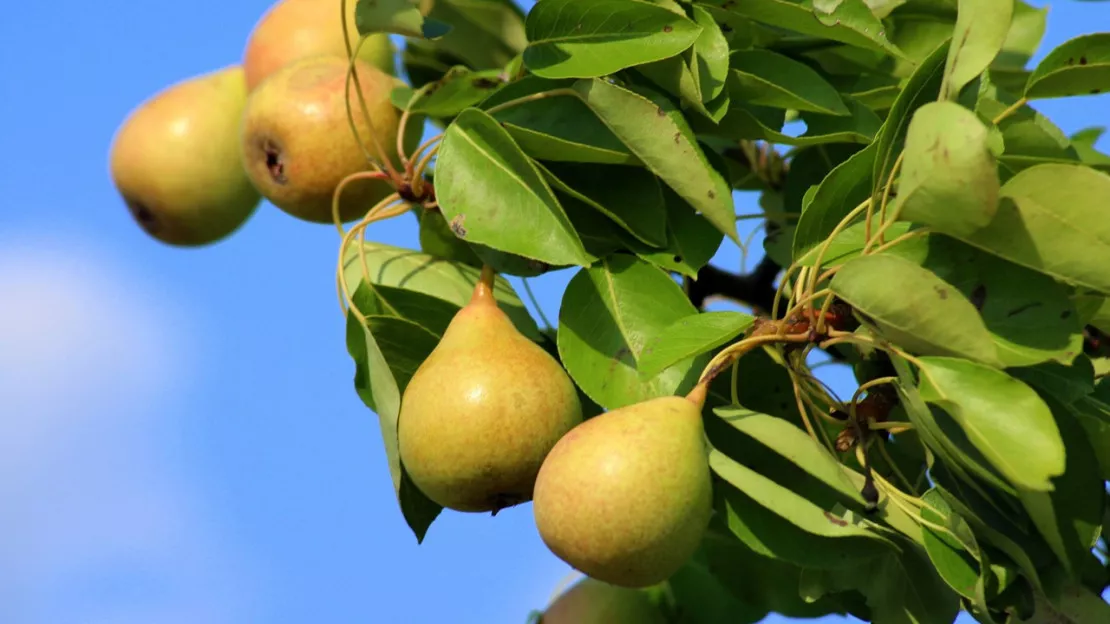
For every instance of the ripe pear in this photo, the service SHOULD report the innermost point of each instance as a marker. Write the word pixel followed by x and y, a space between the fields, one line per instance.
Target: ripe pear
pixel 483 410
pixel 626 496
pixel 294 29
pixel 298 145
pixel 591 601
pixel 175 160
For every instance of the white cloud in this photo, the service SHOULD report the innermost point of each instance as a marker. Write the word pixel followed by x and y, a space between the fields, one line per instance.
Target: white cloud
pixel 97 525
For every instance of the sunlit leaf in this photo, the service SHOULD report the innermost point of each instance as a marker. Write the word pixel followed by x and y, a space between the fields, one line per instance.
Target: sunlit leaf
pixel 691 336
pixel 1003 418
pixel 1079 66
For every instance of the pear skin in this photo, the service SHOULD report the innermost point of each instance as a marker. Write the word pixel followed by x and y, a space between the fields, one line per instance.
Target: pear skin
pixel 298 145
pixel 483 410
pixel 294 29
pixel 591 601
pixel 626 496
pixel 175 160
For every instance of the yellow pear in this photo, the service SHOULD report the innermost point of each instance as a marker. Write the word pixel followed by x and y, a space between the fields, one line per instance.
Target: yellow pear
pixel 482 411
pixel 626 496
pixel 175 160
pixel 591 601
pixel 298 145
pixel 294 29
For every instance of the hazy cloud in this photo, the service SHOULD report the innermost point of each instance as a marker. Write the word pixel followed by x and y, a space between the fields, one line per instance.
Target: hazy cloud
pixel 97 522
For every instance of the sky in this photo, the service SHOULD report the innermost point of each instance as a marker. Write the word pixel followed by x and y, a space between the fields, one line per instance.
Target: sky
pixel 180 440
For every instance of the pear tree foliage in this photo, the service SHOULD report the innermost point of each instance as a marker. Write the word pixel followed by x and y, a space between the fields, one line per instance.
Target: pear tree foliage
pixel 930 231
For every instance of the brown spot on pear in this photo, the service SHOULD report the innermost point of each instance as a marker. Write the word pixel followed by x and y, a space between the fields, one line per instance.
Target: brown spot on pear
pixel 483 410
pixel 591 601
pixel 294 29
pixel 176 163
pixel 298 145
pixel 626 496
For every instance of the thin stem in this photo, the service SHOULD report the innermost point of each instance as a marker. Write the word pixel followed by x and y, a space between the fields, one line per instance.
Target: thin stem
pixel 737 350
pixel 352 74
pixel 371 216
pixel 735 392
pixel 769 215
pixel 893 427
pixel 802 409
pixel 535 303
pixel 530 98
pixel 863 387
pixel 1013 108
pixel 885 201
pixel 335 197
pixel 894 467
pixel 488 276
pixel 901 239
pixel 844 223
pixel 781 290
pixel 402 125
pixel 807 300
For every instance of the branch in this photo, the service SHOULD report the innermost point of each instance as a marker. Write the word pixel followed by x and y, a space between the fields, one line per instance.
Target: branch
pixel 756 289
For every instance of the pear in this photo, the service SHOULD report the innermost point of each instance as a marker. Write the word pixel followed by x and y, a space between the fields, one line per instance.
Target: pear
pixel 294 29
pixel 626 496
pixel 591 601
pixel 298 145
pixel 483 410
pixel 175 160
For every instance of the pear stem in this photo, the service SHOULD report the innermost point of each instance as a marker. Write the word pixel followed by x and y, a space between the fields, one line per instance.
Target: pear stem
pixel 483 290
pixel 737 350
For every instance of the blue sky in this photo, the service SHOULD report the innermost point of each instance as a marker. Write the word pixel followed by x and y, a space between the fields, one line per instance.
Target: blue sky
pixel 180 441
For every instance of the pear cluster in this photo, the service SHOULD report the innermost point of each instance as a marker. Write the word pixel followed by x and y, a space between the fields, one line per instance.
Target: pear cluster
pixel 490 420
pixel 193 162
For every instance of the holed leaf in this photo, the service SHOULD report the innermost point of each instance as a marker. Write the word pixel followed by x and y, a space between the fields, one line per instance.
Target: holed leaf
pixel 492 194
pixel 402 17
pixel 658 134
pixel 589 38
pixel 1004 418
pixel 1080 66
pixel 914 308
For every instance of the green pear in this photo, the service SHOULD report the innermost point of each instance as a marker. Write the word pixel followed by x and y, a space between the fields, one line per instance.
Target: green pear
pixel 175 160
pixel 297 141
pixel 591 601
pixel 294 29
pixel 626 496
pixel 482 411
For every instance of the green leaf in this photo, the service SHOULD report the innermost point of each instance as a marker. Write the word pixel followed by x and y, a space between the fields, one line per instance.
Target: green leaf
pixel 1093 413
pixel 922 87
pixel 914 308
pixel 1002 417
pixel 981 30
pixel 769 79
pixel 608 313
pixel 702 597
pixel 485 34
pixel 839 193
pixel 376 384
pixel 691 239
pixel 481 172
pixel 1054 219
pixel 590 38
pixel 630 196
pixel 849 243
pixel 691 336
pixel 459 89
pixel 1067 384
pixel 437 239
pixel 847 21
pixel 776 522
pixel 750 121
pixel 791 443
pixel 1070 516
pixel 710 61
pixel 394 269
pixel 1079 66
pixel 947 551
pixel 556 128
pixel 658 134
pixel 401 17
pixel 1028 314
pixel 1026 31
pixel 949 177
